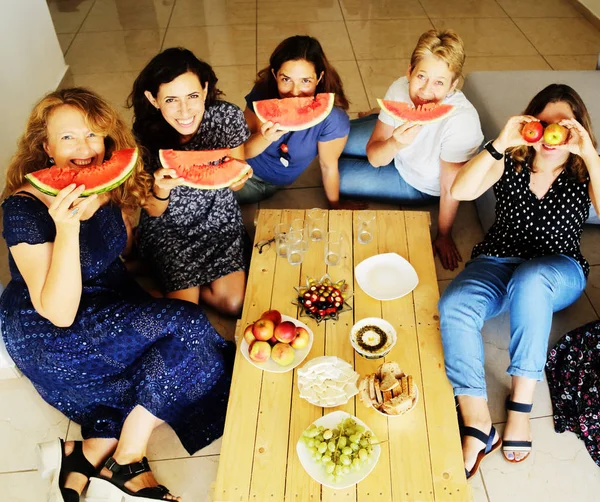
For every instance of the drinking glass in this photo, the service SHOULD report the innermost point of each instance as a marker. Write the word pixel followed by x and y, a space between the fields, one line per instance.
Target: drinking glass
pixel 316 223
pixel 296 247
pixel 366 226
pixel 281 230
pixel 333 248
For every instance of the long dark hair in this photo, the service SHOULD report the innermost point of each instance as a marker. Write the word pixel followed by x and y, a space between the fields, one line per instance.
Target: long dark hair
pixel 150 128
pixel 307 48
pixel 555 93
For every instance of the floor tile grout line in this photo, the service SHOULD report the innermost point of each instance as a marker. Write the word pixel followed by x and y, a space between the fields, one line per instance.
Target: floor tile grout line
pixel 79 29
pixel 354 53
pixel 162 43
pixel 523 33
pixel 484 485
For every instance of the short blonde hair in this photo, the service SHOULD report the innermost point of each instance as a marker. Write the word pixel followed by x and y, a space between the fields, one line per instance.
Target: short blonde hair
pixel 102 118
pixel 446 45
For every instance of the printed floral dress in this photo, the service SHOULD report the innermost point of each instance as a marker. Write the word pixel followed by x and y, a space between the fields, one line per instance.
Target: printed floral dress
pixel 201 236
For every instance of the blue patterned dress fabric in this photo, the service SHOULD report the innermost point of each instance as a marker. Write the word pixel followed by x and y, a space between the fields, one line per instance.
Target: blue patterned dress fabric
pixel 124 348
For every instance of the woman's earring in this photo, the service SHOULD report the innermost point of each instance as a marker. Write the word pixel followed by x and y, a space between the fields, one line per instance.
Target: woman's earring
pixel 51 160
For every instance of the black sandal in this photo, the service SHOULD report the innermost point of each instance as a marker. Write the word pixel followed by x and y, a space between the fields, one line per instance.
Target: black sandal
pixel 108 490
pixel 55 464
pixel 487 440
pixel 511 446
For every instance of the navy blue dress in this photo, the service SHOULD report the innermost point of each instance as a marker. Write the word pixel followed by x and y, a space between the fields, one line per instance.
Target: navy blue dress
pixel 124 348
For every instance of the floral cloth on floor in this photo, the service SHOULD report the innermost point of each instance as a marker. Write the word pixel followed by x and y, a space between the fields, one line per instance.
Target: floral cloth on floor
pixel 573 372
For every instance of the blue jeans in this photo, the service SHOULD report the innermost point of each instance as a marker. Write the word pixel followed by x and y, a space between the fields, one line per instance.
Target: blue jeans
pixel 359 179
pixel 530 289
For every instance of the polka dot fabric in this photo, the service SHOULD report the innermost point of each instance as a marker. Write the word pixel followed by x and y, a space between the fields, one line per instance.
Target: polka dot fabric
pixel 528 227
pixel 124 348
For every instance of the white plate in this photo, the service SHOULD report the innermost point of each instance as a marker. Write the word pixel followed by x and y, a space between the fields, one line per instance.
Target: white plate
pixel 317 472
pixel 327 374
pixel 386 276
pixel 271 365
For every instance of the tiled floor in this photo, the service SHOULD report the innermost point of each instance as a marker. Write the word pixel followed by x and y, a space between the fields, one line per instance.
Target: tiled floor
pixel 106 42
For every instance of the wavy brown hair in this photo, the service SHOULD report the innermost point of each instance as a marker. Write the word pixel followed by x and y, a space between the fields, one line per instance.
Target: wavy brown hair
pixel 101 118
pixel 307 48
pixel 554 93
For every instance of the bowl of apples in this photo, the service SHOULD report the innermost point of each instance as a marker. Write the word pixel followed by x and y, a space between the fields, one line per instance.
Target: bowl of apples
pixel 276 343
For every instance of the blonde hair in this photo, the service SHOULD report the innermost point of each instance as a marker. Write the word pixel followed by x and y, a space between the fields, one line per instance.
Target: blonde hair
pixel 446 45
pixel 101 118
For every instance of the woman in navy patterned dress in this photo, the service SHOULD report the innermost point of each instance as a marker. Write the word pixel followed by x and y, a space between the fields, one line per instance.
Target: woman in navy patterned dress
pixel 94 344
pixel 194 239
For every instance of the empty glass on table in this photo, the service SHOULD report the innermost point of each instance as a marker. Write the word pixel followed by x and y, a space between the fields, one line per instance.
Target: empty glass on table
pixel 334 248
pixel 366 226
pixel 316 224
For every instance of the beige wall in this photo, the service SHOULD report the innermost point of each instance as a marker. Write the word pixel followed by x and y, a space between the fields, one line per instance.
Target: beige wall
pixel 592 5
pixel 31 64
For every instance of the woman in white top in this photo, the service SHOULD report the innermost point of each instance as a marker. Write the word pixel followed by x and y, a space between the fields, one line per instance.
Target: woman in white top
pixel 407 163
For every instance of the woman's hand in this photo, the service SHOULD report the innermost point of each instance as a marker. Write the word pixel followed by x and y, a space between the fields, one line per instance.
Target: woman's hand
pixel 511 136
pixel 406 133
pixel 579 141
pixel 67 208
pixel 166 179
pixel 271 132
pixel 239 184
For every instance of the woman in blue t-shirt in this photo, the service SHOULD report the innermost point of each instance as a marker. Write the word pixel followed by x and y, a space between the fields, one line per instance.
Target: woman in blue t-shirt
pixel 297 67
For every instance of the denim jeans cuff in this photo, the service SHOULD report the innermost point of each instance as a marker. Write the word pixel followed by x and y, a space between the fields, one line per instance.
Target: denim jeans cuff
pixel 469 391
pixel 535 375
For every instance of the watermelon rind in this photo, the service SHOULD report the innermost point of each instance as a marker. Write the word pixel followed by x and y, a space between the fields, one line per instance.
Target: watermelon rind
pixel 415 116
pixel 292 104
pixel 79 175
pixel 230 163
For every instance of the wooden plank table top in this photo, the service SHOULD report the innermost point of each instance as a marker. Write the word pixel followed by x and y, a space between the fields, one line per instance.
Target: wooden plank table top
pixel 422 458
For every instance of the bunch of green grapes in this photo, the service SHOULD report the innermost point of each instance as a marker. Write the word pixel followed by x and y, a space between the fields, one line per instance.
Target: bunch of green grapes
pixel 347 447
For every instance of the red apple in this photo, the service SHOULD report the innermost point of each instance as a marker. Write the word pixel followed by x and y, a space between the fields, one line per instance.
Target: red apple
pixel 259 351
pixel 273 315
pixel 273 340
pixel 283 354
pixel 248 336
pixel 555 134
pixel 285 332
pixel 263 329
pixel 302 338
pixel 532 132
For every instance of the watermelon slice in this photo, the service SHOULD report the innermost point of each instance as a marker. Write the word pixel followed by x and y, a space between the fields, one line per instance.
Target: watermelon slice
pixel 207 170
pixel 295 114
pixel 422 114
pixel 97 179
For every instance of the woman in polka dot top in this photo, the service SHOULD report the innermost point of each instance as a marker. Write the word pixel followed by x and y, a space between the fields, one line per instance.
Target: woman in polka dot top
pixel 529 263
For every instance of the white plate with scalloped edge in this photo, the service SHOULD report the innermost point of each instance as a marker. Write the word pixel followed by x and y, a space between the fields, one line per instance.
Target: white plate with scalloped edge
pixel 386 276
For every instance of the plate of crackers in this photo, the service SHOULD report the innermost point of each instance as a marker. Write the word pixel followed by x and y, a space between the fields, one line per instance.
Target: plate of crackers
pixel 389 390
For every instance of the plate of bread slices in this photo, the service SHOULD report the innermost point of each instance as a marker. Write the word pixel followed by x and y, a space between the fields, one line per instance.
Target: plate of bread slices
pixel 389 390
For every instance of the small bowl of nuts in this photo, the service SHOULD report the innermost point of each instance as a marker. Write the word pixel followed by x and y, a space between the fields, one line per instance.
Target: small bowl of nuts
pixel 373 337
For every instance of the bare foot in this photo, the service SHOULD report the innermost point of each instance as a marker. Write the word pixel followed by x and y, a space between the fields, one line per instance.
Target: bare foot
pixel 472 446
pixel 517 429
pixel 372 111
pixel 143 480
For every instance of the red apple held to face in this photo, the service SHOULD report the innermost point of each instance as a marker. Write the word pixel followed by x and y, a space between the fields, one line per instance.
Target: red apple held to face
pixel 263 329
pixel 532 132
pixel 259 351
pixel 555 134
pixel 285 332
pixel 273 315
pixel 302 338
pixel 283 354
pixel 248 336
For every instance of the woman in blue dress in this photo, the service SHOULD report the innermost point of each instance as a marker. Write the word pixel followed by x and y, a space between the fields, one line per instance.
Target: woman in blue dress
pixel 94 344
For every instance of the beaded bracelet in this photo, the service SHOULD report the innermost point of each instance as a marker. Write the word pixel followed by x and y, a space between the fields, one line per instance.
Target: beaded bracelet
pixel 160 198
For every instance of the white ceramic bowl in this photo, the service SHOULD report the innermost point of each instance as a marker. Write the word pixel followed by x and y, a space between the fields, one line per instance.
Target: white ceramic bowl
pixel 386 276
pixel 270 365
pixel 379 323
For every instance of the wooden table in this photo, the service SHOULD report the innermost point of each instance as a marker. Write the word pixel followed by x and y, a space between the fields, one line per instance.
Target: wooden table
pixel 422 459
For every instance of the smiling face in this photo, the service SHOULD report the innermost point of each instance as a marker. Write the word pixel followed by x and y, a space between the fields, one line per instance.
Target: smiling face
pixel 297 78
pixel 181 103
pixel 552 114
pixel 70 141
pixel 430 81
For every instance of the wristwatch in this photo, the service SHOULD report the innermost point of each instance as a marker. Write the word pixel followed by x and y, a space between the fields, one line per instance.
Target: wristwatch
pixel 493 152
